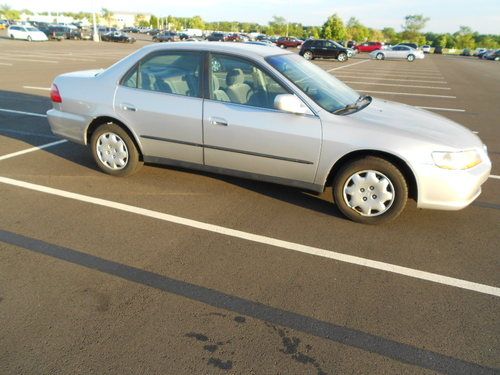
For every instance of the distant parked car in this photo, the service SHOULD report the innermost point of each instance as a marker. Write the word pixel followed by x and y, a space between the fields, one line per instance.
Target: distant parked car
pixel 166 36
pixel 426 49
pixel 466 52
pixel 398 52
pixel 322 48
pixel 438 50
pixel 479 50
pixel 412 45
pixel 369 46
pixel 183 36
pixel 288 42
pixel 492 55
pixel 217 37
pixel 117 36
pixel 262 43
pixel 29 33
pixel 3 24
pixel 351 44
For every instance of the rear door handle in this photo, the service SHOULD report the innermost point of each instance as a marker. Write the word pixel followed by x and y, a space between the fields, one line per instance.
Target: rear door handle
pixel 217 121
pixel 129 107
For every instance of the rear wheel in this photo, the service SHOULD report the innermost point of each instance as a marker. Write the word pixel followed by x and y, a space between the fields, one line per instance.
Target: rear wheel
pixel 342 57
pixel 370 190
pixel 29 39
pixel 308 55
pixel 282 46
pixel 379 56
pixel 410 58
pixel 11 36
pixel 114 151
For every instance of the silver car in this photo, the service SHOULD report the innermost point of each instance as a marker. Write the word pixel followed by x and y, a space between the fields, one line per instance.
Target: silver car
pixel 397 52
pixel 266 114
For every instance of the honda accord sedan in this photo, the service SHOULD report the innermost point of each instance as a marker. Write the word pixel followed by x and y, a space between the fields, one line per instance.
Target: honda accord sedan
pixel 267 114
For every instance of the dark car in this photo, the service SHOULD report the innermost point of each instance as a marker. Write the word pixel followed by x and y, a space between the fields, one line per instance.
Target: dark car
pixel 412 45
pixel 288 42
pixel 466 52
pixel 351 44
pixel 56 32
pixel 217 37
pixel 438 50
pixel 492 55
pixel 324 49
pixel 183 36
pixel 166 36
pixel 117 36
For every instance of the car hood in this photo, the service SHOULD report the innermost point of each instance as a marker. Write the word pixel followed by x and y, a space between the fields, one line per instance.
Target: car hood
pixel 418 123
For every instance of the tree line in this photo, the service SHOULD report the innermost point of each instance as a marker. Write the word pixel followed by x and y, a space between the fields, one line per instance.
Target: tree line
pixel 334 28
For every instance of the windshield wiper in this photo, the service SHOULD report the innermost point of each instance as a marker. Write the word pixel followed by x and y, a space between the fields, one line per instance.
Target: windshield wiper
pixel 362 102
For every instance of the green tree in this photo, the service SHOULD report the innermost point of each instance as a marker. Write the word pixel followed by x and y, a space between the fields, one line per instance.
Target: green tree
pixel 334 28
pixel 107 15
pixel 356 30
pixel 464 37
pixel 8 13
pixel 390 35
pixel 278 26
pixel 154 22
pixel 195 22
pixel 412 29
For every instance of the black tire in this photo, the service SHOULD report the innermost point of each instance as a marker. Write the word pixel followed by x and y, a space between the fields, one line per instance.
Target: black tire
pixel 11 36
pixel 410 58
pixel 382 167
pixel 308 55
pixel 379 56
pixel 133 162
pixel 29 39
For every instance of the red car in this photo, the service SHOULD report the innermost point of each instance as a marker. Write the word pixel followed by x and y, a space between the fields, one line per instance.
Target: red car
pixel 369 46
pixel 286 42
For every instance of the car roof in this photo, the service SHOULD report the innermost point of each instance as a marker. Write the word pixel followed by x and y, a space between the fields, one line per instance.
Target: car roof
pixel 238 48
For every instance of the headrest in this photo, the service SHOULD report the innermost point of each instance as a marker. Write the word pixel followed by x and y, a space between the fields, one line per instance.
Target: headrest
pixel 215 83
pixel 235 76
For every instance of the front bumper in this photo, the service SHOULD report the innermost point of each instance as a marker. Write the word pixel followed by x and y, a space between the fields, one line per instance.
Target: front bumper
pixel 444 189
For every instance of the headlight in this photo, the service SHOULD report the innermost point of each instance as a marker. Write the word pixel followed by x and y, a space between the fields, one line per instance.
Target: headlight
pixel 456 160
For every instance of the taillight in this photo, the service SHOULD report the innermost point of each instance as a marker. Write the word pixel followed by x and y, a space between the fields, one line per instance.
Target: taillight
pixel 54 94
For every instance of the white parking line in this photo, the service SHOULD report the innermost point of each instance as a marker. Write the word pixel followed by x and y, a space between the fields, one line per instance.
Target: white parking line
pixel 49 56
pixel 366 74
pixel 20 132
pixel 38 148
pixel 33 60
pixel 342 75
pixel 494 176
pixel 408 94
pixel 398 85
pixel 37 88
pixel 363 262
pixel 388 70
pixel 442 109
pixel 6 64
pixel 22 112
pixel 347 66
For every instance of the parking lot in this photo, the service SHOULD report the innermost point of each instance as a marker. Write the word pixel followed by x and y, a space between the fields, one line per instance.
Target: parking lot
pixel 173 271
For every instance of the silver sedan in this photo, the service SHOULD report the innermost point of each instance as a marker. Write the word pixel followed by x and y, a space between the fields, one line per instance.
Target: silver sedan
pixel 258 112
pixel 398 52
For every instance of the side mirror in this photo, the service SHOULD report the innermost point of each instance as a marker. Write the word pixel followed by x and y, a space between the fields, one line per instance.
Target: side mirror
pixel 290 103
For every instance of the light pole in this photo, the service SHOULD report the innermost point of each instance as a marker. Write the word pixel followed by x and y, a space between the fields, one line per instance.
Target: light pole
pixel 96 35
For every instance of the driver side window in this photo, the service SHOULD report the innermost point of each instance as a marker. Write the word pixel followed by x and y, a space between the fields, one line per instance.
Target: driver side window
pixel 236 80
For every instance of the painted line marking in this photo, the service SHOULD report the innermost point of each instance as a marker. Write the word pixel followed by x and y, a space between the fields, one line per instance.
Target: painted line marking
pixel 49 56
pixel 22 112
pixel 37 88
pixel 33 149
pixel 346 66
pixel 442 109
pixel 494 176
pixel 20 132
pixel 340 76
pixel 392 72
pixel 398 85
pixel 35 60
pixel 365 74
pixel 382 266
pixel 6 64
pixel 408 94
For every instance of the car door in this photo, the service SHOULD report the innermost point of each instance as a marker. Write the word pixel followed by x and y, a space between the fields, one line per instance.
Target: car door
pixel 244 132
pixel 392 52
pixel 160 99
pixel 331 50
pixel 403 52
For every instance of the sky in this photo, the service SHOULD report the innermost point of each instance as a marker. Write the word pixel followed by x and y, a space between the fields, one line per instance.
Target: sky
pixel 445 15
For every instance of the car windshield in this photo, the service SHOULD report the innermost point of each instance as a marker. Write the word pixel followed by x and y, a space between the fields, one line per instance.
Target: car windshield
pixel 337 44
pixel 31 29
pixel 323 88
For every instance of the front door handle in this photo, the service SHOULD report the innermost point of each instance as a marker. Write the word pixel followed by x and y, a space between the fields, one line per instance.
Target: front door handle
pixel 217 121
pixel 129 107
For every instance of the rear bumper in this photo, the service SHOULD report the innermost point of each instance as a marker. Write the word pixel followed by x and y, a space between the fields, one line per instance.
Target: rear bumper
pixel 450 190
pixel 67 125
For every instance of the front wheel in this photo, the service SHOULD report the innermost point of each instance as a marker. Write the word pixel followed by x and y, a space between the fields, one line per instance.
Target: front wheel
pixel 370 190
pixel 379 56
pixel 308 55
pixel 29 39
pixel 342 57
pixel 410 58
pixel 114 151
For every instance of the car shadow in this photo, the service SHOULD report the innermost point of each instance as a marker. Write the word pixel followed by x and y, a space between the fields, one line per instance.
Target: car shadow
pixel 36 131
